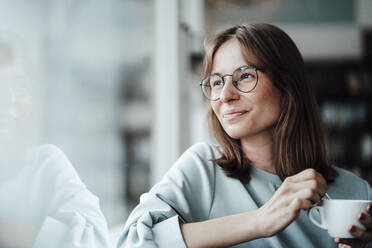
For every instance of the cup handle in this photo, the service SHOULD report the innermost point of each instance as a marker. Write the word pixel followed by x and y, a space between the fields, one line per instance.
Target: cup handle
pixel 309 214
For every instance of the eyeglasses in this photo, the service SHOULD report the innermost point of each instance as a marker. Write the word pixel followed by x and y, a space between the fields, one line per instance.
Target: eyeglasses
pixel 244 79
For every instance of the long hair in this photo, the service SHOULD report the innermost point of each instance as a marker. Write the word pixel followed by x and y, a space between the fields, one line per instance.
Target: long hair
pixel 299 139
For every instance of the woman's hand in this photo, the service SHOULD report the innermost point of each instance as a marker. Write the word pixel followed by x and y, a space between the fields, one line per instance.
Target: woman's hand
pixel 362 237
pixel 297 192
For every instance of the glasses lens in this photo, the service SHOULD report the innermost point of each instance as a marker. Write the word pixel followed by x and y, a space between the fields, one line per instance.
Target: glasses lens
pixel 212 87
pixel 246 78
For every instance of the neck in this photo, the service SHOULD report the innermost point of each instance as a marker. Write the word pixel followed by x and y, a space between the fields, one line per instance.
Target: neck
pixel 259 150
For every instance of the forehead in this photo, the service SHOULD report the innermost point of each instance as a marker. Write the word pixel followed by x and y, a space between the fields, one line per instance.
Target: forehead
pixel 230 56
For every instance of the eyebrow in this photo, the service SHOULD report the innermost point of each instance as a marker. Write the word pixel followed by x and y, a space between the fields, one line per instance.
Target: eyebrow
pixel 219 73
pixel 247 64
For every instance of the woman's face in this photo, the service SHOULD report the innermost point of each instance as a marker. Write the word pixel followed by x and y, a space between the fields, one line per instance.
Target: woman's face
pixel 244 115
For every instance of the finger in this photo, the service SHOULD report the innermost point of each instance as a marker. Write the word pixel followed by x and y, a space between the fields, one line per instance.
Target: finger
pixel 322 181
pixel 357 232
pixel 310 190
pixel 369 208
pixel 346 243
pixel 304 175
pixel 309 175
pixel 366 220
pixel 344 246
pixel 300 203
pixel 297 204
pixel 308 184
pixel 308 194
pixel 313 174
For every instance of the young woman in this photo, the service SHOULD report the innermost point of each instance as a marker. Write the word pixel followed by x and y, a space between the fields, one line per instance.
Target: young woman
pixel 43 201
pixel 270 162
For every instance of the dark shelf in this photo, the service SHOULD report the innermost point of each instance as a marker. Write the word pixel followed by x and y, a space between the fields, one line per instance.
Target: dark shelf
pixel 344 91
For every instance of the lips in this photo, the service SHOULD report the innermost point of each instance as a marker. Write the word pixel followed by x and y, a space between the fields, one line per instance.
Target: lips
pixel 234 114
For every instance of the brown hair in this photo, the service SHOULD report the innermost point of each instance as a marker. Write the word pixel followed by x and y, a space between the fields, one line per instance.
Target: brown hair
pixel 299 140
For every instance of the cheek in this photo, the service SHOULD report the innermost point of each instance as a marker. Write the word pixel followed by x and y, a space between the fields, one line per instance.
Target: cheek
pixel 216 110
pixel 267 102
pixel 214 107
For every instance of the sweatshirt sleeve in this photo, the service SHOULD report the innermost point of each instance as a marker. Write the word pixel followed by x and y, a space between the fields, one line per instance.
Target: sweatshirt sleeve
pixel 369 191
pixel 77 223
pixel 184 195
pixel 72 216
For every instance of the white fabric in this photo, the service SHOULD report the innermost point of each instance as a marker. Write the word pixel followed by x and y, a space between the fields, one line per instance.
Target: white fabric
pixel 47 193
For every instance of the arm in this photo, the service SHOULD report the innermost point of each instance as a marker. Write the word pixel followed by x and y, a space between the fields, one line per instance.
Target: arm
pixel 222 232
pixel 295 193
pixel 78 222
pixel 72 216
pixel 183 195
pixel 188 190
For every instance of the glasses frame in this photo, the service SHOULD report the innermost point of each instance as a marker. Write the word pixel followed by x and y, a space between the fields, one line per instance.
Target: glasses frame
pixel 234 82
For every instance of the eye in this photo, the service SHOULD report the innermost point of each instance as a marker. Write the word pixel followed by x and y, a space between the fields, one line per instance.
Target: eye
pixel 216 83
pixel 245 76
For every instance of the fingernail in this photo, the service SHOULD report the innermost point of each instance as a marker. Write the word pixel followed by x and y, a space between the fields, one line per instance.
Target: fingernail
pixel 362 216
pixel 352 229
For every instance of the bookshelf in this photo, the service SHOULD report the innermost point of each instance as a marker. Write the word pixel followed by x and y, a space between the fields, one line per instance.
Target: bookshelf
pixel 343 91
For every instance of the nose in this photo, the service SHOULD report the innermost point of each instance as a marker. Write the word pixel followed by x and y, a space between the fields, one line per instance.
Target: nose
pixel 229 92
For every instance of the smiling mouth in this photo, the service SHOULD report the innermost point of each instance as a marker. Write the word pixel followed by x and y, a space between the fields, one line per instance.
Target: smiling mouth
pixel 234 115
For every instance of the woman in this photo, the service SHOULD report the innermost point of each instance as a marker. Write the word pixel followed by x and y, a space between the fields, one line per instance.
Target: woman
pixel 271 161
pixel 44 203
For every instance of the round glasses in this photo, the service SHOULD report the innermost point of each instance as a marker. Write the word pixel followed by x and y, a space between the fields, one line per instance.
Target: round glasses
pixel 244 79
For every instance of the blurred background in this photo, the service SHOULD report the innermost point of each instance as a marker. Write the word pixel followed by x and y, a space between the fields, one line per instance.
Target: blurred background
pixel 116 83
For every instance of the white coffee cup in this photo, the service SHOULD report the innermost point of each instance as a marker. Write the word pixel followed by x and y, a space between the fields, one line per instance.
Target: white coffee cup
pixel 338 215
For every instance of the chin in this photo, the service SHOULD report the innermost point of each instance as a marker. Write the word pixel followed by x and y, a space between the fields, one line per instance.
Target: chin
pixel 235 134
pixel 237 130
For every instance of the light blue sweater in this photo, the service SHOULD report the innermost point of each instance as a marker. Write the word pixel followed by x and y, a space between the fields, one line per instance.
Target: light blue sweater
pixel 195 189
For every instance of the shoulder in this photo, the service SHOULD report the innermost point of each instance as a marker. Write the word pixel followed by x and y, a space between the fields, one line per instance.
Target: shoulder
pixel 198 155
pixel 189 183
pixel 348 177
pixel 348 185
pixel 49 161
pixel 204 151
pixel 195 164
pixel 46 179
pixel 45 151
